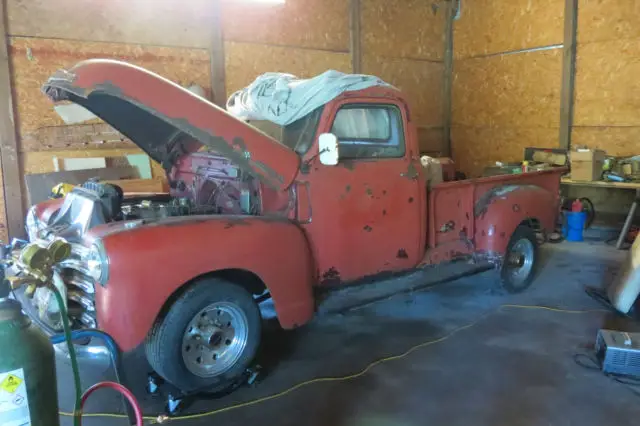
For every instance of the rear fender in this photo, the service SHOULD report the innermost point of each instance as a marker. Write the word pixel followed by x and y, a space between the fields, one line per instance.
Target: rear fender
pixel 151 263
pixel 499 211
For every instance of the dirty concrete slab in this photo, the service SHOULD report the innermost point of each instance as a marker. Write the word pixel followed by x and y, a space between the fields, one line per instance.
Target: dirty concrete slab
pixel 501 366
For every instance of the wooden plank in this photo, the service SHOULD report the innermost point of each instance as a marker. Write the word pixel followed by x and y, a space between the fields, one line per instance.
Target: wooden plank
pixel 43 161
pixel 355 33
pixel 13 194
pixel 155 185
pixel 601 184
pixel 216 54
pixel 568 72
pixel 76 136
pixel 448 77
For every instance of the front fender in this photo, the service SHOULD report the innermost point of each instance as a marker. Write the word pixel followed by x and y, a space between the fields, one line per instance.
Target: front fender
pixel 148 264
pixel 502 209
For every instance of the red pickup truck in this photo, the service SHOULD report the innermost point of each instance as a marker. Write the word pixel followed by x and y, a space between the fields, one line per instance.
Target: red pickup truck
pixel 340 196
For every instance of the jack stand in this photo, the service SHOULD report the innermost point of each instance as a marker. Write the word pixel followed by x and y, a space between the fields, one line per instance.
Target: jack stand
pixel 178 400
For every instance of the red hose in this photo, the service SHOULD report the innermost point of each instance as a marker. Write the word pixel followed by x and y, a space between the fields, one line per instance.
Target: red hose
pixel 124 391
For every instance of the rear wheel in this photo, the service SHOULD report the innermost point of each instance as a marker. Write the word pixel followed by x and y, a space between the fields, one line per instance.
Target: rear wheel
pixel 208 337
pixel 519 267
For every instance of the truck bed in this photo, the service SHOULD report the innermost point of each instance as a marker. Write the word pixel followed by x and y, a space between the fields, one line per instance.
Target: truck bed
pixel 479 215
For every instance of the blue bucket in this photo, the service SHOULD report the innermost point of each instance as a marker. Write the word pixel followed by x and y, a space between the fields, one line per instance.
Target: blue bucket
pixel 574 225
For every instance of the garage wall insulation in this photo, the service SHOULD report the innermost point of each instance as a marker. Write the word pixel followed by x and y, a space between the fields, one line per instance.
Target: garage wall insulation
pixel 503 99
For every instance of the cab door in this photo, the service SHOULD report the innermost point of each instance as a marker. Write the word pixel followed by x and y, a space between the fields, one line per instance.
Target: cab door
pixel 367 209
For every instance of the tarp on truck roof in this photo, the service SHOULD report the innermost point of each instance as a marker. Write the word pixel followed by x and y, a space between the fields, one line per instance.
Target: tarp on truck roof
pixel 284 98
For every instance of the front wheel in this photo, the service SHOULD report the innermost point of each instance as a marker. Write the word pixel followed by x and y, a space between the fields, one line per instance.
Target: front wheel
pixel 208 337
pixel 521 259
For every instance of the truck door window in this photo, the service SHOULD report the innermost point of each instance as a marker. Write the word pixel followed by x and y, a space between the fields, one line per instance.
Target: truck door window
pixel 369 131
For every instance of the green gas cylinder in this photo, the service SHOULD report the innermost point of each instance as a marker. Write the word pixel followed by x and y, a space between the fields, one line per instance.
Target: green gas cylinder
pixel 28 391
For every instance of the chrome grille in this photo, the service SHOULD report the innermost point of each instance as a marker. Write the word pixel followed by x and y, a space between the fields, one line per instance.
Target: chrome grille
pixel 80 289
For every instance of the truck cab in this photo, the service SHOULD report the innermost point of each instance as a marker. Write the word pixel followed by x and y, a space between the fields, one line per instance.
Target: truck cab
pixel 368 211
pixel 338 195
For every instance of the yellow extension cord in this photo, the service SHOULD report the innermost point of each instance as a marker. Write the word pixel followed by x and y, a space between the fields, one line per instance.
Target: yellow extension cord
pixel 164 419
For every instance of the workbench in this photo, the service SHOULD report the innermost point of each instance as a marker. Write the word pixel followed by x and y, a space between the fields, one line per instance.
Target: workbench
pixel 613 185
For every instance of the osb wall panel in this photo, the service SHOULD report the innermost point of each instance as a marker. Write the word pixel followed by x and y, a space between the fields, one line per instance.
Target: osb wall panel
pixel 520 89
pixel 492 26
pixel 34 60
pixel 616 141
pixel 420 81
pixel 403 28
pixel 600 20
pixel 246 61
pixel 476 148
pixel 322 24
pixel 430 140
pixel 160 22
pixel 318 24
pixel 607 85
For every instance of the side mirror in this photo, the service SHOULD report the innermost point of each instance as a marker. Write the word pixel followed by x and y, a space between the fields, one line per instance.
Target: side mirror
pixel 328 149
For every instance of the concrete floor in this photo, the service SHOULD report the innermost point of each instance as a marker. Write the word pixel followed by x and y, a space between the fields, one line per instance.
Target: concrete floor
pixel 513 367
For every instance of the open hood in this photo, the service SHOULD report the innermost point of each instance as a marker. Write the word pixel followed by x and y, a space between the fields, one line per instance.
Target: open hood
pixel 167 121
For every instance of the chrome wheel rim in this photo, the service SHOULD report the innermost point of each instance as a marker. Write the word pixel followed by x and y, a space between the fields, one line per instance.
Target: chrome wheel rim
pixel 215 339
pixel 520 261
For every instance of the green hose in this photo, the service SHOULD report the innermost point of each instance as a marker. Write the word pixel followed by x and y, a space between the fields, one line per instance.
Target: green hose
pixel 72 355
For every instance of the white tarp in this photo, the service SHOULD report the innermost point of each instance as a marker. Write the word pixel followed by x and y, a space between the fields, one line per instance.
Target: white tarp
pixel 284 98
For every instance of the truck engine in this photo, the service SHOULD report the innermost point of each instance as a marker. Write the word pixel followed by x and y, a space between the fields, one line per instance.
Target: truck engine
pixel 208 191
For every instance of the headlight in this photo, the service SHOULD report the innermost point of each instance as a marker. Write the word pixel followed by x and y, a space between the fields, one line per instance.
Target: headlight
pixel 98 264
pixel 32 224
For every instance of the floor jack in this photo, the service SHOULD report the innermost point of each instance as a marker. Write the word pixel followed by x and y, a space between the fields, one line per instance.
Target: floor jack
pixel 178 401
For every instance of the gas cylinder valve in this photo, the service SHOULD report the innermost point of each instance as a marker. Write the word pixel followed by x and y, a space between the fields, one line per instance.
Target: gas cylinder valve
pixel 36 261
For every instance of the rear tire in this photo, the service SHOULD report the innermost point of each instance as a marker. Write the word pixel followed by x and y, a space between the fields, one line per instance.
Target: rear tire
pixel 521 260
pixel 208 338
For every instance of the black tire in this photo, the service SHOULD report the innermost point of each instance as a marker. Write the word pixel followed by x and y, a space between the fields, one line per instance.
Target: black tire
pixel 164 343
pixel 588 207
pixel 518 283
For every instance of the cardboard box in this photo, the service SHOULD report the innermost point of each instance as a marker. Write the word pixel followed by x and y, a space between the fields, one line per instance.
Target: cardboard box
pixel 587 165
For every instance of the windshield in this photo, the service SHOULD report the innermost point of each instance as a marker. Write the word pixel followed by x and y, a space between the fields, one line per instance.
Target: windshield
pixel 298 135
